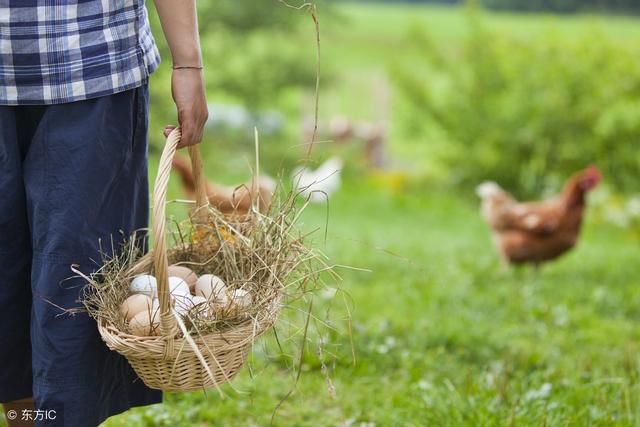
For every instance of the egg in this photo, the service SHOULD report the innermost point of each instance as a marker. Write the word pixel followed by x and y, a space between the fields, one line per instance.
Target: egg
pixel 144 284
pixel 185 274
pixel 241 298
pixel 211 287
pixel 144 324
pixel 134 305
pixel 197 300
pixel 200 306
pixel 183 304
pixel 177 286
pixel 155 307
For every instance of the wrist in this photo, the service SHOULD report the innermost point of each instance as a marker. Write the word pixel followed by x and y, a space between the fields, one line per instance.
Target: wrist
pixel 187 58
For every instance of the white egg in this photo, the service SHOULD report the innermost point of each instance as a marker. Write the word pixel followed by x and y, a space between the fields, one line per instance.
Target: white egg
pixel 144 284
pixel 211 287
pixel 177 286
pixel 240 301
pixel 242 298
pixel 197 300
pixel 183 304
pixel 200 306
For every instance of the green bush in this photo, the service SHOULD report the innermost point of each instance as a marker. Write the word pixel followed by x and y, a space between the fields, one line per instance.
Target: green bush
pixel 251 50
pixel 564 6
pixel 526 113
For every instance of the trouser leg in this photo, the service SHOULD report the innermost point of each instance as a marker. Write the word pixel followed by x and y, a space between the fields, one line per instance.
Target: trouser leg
pixel 15 265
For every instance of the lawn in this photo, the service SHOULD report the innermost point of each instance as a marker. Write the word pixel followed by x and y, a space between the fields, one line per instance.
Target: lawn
pixel 443 336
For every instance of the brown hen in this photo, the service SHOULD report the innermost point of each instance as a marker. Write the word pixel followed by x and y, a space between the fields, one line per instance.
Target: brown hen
pixel 228 200
pixel 536 232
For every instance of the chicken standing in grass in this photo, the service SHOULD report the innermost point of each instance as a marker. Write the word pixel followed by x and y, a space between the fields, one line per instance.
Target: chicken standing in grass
pixel 320 184
pixel 228 200
pixel 536 232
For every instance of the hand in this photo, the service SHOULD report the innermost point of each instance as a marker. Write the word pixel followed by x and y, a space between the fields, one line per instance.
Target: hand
pixel 187 87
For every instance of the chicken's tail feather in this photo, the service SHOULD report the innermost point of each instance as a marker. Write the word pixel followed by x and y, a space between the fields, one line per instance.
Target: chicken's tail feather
pixel 267 184
pixel 182 166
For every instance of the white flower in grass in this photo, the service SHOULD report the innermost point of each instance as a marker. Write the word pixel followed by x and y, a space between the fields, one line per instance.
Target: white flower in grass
pixel 633 207
pixel 542 393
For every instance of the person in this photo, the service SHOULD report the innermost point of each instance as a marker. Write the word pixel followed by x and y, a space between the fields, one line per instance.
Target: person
pixel 73 175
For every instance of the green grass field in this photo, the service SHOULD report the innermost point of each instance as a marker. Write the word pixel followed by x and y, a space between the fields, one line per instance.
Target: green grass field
pixel 442 335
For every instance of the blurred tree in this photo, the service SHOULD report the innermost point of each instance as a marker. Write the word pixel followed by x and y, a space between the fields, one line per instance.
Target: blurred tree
pixel 564 6
pixel 257 54
pixel 527 114
pixel 254 52
pixel 560 6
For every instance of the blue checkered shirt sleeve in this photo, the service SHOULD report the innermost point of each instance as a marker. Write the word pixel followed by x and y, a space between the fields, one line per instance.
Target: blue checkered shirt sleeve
pixel 68 50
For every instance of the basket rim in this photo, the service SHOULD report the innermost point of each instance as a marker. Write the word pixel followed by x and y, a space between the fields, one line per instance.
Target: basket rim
pixel 234 337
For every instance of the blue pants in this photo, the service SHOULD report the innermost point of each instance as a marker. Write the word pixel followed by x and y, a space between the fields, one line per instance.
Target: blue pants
pixel 70 175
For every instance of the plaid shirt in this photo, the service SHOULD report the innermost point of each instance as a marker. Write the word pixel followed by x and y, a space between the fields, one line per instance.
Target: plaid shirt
pixel 57 51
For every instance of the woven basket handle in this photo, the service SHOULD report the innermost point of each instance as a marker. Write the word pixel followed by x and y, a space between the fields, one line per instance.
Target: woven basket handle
pixel 160 259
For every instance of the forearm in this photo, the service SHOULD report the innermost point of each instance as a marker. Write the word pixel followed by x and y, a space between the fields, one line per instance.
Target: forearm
pixel 180 26
pixel 179 21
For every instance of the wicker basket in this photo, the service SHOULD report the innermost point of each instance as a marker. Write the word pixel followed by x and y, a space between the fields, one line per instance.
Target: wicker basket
pixel 173 360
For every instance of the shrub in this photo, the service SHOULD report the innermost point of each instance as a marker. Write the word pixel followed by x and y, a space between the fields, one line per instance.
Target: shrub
pixel 527 113
pixel 564 6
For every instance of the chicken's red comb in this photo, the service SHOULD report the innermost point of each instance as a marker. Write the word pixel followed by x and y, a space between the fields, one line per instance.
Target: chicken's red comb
pixel 591 177
pixel 593 172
